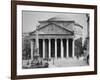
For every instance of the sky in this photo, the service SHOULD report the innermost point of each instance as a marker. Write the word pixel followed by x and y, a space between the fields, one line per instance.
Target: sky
pixel 30 19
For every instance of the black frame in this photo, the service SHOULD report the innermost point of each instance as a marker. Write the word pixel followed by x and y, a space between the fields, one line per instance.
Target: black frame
pixel 14 4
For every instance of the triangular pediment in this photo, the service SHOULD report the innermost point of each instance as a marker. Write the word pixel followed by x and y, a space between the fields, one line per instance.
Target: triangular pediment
pixel 52 28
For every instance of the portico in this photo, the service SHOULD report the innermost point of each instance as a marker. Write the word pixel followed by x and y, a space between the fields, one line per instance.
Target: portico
pixel 54 47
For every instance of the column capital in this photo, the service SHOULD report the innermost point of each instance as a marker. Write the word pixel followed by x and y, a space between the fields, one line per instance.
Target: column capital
pixel 61 39
pixel 55 39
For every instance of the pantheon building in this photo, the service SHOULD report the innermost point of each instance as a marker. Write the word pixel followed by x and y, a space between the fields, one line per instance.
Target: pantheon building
pixel 56 38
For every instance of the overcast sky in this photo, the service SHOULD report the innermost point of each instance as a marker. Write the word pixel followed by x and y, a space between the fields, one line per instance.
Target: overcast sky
pixel 30 19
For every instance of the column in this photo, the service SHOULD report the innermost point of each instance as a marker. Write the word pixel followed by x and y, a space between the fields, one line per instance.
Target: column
pixel 62 49
pixel 31 50
pixel 49 48
pixel 43 48
pixel 73 49
pixel 38 48
pixel 55 48
pixel 67 52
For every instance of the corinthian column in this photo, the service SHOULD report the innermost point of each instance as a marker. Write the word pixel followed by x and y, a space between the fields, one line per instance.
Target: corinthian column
pixel 73 54
pixel 43 48
pixel 31 50
pixel 49 48
pixel 67 48
pixel 62 49
pixel 55 48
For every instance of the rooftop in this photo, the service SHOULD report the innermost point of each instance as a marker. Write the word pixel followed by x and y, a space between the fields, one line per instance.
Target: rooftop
pixel 60 18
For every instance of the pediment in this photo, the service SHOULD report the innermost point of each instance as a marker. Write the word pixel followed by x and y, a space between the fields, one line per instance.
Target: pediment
pixel 52 29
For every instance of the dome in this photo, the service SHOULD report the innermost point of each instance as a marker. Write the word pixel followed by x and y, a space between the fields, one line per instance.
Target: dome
pixel 60 18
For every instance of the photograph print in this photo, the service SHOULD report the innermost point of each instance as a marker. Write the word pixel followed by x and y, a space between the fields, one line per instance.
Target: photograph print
pixel 54 39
